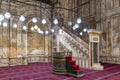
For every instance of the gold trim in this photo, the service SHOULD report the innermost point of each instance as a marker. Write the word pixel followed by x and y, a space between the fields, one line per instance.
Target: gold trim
pixel 94 34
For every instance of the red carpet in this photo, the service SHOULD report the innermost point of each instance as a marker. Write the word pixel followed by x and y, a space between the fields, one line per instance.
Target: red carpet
pixel 43 71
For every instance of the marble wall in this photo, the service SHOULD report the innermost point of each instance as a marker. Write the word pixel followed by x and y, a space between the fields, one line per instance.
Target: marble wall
pixel 15 43
pixel 104 15
pixel 110 27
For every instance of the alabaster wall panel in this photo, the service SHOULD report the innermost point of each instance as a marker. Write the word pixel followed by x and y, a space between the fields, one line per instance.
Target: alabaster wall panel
pixel 85 10
pixel 11 46
pixel 105 15
pixel 110 28
pixel 19 43
pixel 13 43
pixel 46 45
pixel 108 2
pixel 1 43
pixel 5 42
pixel 36 42
pixel 111 38
pixel 102 5
pixel 116 3
pixel 24 44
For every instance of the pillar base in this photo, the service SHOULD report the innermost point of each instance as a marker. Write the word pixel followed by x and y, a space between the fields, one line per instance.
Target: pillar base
pixel 97 66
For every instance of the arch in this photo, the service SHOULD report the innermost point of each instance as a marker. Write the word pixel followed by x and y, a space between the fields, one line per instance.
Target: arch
pixel 29 14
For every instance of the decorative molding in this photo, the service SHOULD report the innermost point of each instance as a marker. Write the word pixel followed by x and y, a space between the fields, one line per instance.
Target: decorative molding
pixel 110 59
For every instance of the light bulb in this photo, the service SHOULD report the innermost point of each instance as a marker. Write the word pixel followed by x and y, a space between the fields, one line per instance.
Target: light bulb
pixel 22 18
pixel 32 28
pixel 60 31
pixel 34 19
pixel 42 32
pixel 24 28
pixel 44 21
pixel 5 24
pixel 85 30
pixel 7 15
pixel 15 25
pixel 38 30
pixel 69 23
pixel 55 21
pixel 76 26
pixel 52 30
pixel 81 33
pixel 46 32
pixel 1 17
pixel 36 27
pixel 79 20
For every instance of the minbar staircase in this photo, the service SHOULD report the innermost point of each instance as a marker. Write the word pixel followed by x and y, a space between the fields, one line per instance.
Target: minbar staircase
pixel 78 47
pixel 71 67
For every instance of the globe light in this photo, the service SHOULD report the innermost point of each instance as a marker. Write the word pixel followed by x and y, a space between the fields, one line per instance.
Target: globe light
pixel 36 27
pixel 55 21
pixel 7 15
pixel 81 33
pixel 15 25
pixel 5 24
pixel 69 23
pixel 1 17
pixel 46 32
pixel 52 30
pixel 42 32
pixel 22 18
pixel 24 28
pixel 34 19
pixel 38 30
pixel 79 20
pixel 85 30
pixel 32 28
pixel 60 31
pixel 76 26
pixel 44 21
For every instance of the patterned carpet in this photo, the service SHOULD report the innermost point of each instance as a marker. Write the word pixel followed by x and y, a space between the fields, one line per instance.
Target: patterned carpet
pixel 43 71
